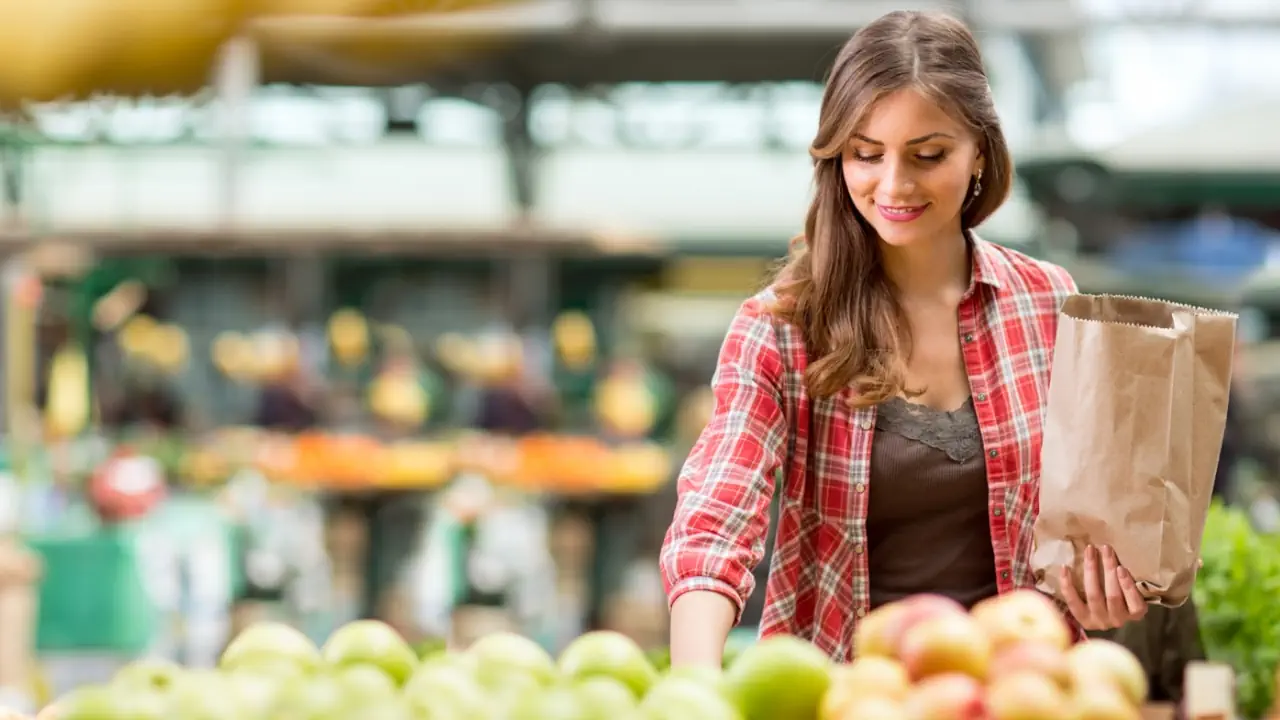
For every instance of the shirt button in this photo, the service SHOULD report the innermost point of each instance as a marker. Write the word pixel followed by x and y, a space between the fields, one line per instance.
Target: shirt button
pixel 862 612
pixel 865 424
pixel 982 396
pixel 968 337
pixel 858 548
pixel 860 487
pixel 998 512
pixel 1004 574
pixel 994 453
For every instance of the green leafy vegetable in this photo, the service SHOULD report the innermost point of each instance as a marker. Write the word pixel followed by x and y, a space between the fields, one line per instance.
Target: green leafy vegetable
pixel 1237 592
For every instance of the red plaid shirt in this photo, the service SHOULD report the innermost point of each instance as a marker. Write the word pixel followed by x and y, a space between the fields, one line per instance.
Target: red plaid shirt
pixel 765 421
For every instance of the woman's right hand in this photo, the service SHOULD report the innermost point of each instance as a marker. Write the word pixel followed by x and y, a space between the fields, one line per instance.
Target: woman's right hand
pixel 700 625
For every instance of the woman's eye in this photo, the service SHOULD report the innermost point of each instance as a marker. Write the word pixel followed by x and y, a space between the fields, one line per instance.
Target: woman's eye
pixel 925 158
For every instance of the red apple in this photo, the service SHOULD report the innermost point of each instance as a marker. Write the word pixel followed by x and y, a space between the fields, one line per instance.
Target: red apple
pixel 872 708
pixel 866 677
pixel 1022 615
pixel 1032 656
pixel 1027 696
pixel 872 639
pixel 1103 659
pixel 946 644
pixel 1102 701
pixel 946 697
pixel 882 630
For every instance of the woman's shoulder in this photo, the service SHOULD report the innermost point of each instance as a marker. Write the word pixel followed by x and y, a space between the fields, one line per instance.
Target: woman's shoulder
pixel 1018 272
pixel 758 325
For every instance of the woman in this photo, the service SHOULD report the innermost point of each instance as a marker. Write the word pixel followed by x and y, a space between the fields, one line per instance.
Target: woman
pixel 895 350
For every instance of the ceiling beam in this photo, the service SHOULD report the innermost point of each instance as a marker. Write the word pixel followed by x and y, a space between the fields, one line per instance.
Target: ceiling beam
pixel 533 18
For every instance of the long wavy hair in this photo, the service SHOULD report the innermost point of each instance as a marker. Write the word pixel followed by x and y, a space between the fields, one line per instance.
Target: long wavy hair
pixel 832 286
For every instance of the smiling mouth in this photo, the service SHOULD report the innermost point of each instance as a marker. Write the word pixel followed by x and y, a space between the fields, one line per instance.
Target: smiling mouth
pixel 901 213
pixel 901 209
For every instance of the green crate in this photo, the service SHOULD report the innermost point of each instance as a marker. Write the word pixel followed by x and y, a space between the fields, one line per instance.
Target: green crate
pixel 91 595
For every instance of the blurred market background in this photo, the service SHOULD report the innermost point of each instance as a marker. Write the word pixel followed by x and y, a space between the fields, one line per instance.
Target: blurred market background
pixel 326 309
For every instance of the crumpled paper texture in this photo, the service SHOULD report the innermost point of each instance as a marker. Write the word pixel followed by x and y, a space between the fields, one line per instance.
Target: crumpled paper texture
pixel 1136 412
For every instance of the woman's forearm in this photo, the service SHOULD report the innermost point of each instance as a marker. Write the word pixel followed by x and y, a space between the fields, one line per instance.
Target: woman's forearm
pixel 700 624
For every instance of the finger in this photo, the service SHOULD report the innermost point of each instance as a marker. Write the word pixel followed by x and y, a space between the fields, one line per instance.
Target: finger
pixel 1094 596
pixel 1117 608
pixel 1136 604
pixel 1072 598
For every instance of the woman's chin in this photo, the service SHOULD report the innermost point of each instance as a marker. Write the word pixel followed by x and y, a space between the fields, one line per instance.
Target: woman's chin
pixel 897 236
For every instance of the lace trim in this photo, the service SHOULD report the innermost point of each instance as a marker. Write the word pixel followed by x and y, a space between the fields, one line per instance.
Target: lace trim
pixel 954 432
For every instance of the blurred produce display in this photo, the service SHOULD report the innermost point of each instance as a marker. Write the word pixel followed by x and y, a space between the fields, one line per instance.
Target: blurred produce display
pixel 543 463
pixel 923 657
pixel 348 462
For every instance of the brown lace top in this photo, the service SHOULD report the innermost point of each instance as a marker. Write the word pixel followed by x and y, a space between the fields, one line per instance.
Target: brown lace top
pixel 927 524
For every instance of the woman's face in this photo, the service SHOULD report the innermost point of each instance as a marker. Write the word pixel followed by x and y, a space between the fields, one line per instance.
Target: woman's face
pixel 908 168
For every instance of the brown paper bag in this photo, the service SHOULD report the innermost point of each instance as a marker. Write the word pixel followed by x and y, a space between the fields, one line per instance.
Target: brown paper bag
pixel 1136 411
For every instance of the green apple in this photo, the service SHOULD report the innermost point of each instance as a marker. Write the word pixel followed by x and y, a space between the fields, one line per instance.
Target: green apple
pixel 500 657
pixel 270 643
pixel 100 702
pixel 446 690
pixel 610 654
pixel 150 674
pixel 366 683
pixel 314 697
pixel 372 643
pixel 677 698
pixel 604 698
pixel 256 693
pixel 712 677
pixel 205 695
pixel 561 703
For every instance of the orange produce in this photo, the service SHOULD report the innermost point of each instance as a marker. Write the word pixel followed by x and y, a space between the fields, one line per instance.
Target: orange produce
pixel 637 468
pixel 415 464
pixel 277 458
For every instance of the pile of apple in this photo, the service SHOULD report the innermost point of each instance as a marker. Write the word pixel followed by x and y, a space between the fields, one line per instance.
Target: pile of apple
pixel 924 658
pixel 1010 658
pixel 366 671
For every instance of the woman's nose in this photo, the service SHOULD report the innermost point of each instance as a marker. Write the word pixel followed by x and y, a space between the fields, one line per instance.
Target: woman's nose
pixel 897 176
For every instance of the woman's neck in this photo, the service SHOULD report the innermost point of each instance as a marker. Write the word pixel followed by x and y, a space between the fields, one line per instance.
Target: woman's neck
pixel 929 269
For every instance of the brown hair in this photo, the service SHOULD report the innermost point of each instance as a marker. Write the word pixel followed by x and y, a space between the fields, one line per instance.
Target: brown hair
pixel 832 286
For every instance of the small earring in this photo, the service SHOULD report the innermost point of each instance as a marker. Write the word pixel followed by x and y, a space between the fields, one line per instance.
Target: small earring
pixel 977 184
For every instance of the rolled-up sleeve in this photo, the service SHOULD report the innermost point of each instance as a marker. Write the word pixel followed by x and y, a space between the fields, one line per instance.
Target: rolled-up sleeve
pixel 717 536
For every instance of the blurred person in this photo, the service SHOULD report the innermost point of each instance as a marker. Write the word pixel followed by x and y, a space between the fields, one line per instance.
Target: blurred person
pixel 512 392
pixel 287 403
pixel 896 349
pixel 1244 437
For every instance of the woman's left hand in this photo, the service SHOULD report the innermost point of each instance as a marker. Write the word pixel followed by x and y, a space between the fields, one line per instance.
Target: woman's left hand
pixel 1111 597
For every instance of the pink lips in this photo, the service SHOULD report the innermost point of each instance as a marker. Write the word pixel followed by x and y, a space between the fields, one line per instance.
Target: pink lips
pixel 901 214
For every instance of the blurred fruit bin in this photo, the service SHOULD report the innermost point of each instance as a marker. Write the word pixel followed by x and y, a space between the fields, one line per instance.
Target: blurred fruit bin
pixel 569 465
pixel 333 461
pixel 415 464
pixel 548 463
